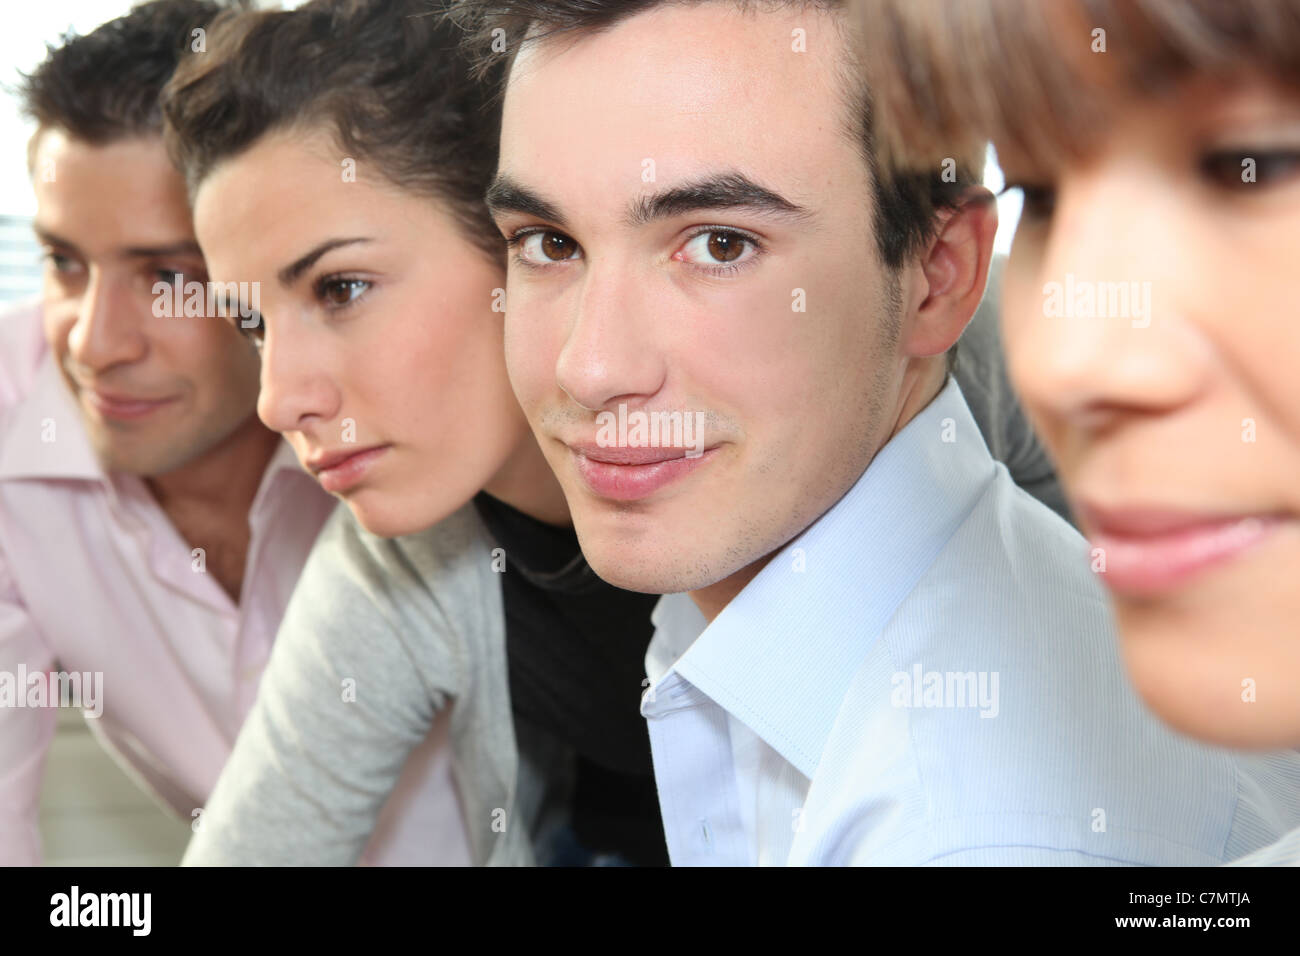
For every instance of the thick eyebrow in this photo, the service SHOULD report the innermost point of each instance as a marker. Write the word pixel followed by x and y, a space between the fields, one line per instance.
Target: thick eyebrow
pixel 48 238
pixel 181 247
pixel 729 190
pixel 292 272
pixel 506 195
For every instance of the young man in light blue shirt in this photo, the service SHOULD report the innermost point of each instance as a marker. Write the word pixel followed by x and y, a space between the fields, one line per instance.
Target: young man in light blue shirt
pixel 873 648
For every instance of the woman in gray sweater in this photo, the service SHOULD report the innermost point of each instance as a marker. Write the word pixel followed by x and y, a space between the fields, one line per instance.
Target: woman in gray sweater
pixel 337 156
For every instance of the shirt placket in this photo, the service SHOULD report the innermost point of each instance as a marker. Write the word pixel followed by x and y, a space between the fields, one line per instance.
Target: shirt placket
pixel 695 774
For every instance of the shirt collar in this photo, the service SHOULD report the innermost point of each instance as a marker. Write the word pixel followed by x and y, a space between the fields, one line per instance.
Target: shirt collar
pixel 781 654
pixel 44 436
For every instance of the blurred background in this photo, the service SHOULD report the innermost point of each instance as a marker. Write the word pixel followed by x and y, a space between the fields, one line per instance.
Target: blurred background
pixel 92 813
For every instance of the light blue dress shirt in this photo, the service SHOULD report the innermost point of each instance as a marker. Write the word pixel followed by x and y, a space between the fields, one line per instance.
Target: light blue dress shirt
pixel 929 674
pixel 1285 852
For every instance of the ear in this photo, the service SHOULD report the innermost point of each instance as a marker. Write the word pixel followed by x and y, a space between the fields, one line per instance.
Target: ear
pixel 954 270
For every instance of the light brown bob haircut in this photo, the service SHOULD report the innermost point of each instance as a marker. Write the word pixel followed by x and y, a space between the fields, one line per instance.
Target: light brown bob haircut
pixel 951 75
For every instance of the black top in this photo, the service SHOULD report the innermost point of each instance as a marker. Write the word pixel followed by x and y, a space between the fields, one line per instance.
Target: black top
pixel 575 648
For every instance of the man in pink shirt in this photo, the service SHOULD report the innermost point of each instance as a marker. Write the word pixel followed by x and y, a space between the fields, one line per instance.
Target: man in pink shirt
pixel 151 528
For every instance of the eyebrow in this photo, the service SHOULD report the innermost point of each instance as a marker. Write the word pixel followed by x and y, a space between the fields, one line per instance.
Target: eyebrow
pixel 181 247
pixel 292 272
pixel 727 190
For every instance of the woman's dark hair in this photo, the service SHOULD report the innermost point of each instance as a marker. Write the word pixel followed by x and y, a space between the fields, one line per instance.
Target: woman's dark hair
pixel 386 78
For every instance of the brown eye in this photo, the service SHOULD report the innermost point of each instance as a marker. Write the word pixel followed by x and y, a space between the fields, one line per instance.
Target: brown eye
pixel 726 246
pixel 340 292
pixel 557 247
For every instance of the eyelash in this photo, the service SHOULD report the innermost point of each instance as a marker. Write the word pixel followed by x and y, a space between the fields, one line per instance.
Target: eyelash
pixel 255 333
pixel 1221 168
pixel 720 270
pixel 56 258
pixel 324 282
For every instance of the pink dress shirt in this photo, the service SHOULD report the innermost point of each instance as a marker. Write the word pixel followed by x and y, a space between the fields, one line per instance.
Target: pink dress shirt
pixel 94 578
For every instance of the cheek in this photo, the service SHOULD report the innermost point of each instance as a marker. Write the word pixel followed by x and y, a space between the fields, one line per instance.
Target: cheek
pixel 532 350
pixel 804 347
pixel 761 337
pixel 1018 298
pixel 58 323
pixel 423 368
pixel 1257 337
pixel 1020 314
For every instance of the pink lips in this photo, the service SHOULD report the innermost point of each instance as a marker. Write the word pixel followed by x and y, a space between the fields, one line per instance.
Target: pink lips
pixel 1149 551
pixel 630 474
pixel 123 407
pixel 339 471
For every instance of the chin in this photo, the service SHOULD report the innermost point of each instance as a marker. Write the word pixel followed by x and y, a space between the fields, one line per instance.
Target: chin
pixel 646 571
pixel 148 462
pixel 1230 691
pixel 381 522
pixel 387 516
pixel 1237 726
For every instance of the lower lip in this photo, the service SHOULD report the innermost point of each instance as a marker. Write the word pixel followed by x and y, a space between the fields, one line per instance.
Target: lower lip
pixel 350 472
pixel 634 482
pixel 125 411
pixel 1151 564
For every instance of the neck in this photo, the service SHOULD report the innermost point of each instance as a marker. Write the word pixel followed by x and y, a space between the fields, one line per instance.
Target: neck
pixel 224 479
pixel 526 483
pixel 712 599
pixel 922 381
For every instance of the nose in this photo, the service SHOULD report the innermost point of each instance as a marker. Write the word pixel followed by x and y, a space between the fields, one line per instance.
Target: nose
pixel 611 351
pixel 297 388
pixel 1107 328
pixel 109 328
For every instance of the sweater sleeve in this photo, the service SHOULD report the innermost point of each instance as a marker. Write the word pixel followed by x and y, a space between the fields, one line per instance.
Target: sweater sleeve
pixel 363 662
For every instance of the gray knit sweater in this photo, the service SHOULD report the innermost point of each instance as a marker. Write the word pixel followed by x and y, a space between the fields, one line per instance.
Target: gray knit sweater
pixel 417 623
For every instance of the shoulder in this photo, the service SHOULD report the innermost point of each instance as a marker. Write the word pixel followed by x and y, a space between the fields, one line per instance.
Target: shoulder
pixel 441 575
pixel 994 710
pixel 1012 573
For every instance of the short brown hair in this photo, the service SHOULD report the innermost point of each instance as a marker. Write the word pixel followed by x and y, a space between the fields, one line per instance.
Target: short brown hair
pixel 385 77
pixel 106 85
pixel 951 74
pixel 906 205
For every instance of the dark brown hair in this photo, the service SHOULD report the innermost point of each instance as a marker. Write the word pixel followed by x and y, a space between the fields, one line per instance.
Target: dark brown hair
pixel 906 205
pixel 385 77
pixel 105 86
pixel 950 74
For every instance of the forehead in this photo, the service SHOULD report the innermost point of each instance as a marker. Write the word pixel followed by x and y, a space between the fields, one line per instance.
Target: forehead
pixel 277 194
pixel 126 187
pixel 679 90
